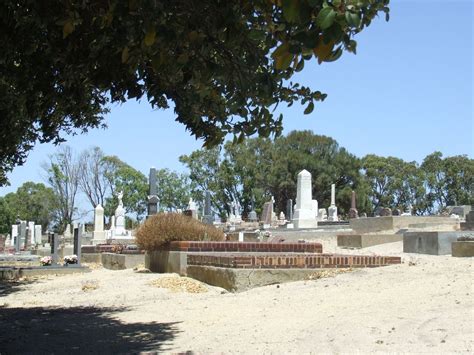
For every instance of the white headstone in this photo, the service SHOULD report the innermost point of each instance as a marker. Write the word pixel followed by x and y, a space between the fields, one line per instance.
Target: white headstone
pixel 98 234
pixel 332 210
pixel 304 215
pixel 322 214
pixel 31 232
pixel 38 233
pixel 67 232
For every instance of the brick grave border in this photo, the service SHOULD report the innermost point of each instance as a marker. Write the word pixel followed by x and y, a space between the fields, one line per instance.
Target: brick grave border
pixel 299 261
pixel 245 247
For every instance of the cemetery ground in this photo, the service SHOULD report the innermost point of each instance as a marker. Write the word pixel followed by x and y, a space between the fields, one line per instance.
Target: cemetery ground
pixel 424 305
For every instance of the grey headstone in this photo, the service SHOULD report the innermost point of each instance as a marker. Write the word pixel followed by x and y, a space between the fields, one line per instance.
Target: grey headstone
pixel 289 209
pixel 153 200
pixel 267 212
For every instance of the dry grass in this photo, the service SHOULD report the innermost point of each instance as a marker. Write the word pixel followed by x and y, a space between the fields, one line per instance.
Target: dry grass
pixel 90 286
pixel 162 228
pixel 179 284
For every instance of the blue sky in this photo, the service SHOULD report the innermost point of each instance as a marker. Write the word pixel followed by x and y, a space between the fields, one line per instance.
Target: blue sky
pixel 407 93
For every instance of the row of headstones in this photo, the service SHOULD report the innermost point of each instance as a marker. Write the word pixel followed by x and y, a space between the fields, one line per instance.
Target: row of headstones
pixel 26 234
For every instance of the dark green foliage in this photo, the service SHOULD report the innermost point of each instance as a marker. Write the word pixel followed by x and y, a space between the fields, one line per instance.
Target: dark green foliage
pixel 223 64
pixel 31 202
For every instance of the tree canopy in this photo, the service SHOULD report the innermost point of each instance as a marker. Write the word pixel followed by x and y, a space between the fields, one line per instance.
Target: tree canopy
pixel 223 64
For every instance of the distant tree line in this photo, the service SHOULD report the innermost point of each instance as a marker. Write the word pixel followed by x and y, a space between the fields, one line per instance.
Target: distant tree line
pixel 254 170
pixel 260 168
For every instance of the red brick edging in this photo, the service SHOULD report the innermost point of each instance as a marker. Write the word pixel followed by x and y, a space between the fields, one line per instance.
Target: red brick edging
pixel 292 261
pixel 196 246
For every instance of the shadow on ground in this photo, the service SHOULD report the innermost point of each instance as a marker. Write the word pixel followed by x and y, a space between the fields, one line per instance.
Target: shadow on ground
pixel 7 287
pixel 80 330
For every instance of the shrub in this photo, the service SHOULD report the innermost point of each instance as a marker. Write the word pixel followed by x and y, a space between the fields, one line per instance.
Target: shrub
pixel 158 230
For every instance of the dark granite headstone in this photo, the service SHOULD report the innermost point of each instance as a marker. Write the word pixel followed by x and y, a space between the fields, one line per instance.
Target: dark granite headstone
pixel 77 243
pixel 153 200
pixel 289 210
pixel 54 240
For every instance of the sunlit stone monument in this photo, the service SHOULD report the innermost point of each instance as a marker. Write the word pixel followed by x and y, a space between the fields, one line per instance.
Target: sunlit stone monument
pixel 99 234
pixel 120 217
pixel 304 215
pixel 332 210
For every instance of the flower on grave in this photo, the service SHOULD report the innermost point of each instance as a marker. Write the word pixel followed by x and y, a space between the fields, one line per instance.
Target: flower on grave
pixel 70 259
pixel 46 260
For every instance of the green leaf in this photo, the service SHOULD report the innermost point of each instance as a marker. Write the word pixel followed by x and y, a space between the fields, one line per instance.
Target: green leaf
pixel 257 35
pixel 309 108
pixel 150 37
pixel 335 55
pixel 326 17
pixel 282 57
pixel 352 19
pixel 291 10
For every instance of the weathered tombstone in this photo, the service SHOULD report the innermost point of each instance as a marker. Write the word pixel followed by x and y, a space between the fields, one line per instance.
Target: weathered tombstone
pixel 385 212
pixel 54 240
pixel 31 233
pixel 38 234
pixel 353 213
pixel 253 214
pixel 289 209
pixel 396 212
pixel 14 235
pixel 332 210
pixel 99 234
pixel 67 232
pixel 153 200
pixel 322 214
pixel 207 216
pixel 304 215
pixel 25 235
pixel 267 213
pixel 77 244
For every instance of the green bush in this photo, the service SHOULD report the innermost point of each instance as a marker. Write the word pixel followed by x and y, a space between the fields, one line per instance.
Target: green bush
pixel 158 230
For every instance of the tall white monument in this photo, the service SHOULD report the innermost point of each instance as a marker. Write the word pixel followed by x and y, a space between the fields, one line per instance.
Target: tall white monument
pixel 332 210
pixel 120 217
pixel 304 215
pixel 99 233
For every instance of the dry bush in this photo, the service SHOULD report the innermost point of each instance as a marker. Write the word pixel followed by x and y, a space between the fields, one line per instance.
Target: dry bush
pixel 160 229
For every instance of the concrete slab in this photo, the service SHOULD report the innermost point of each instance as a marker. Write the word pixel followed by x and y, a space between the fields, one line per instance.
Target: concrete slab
pixel 166 261
pixel 433 243
pixel 238 280
pixel 114 261
pixel 392 224
pixel 463 248
pixel 366 240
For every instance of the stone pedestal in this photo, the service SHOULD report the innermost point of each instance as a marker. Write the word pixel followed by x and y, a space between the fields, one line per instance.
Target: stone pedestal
pixel 304 215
